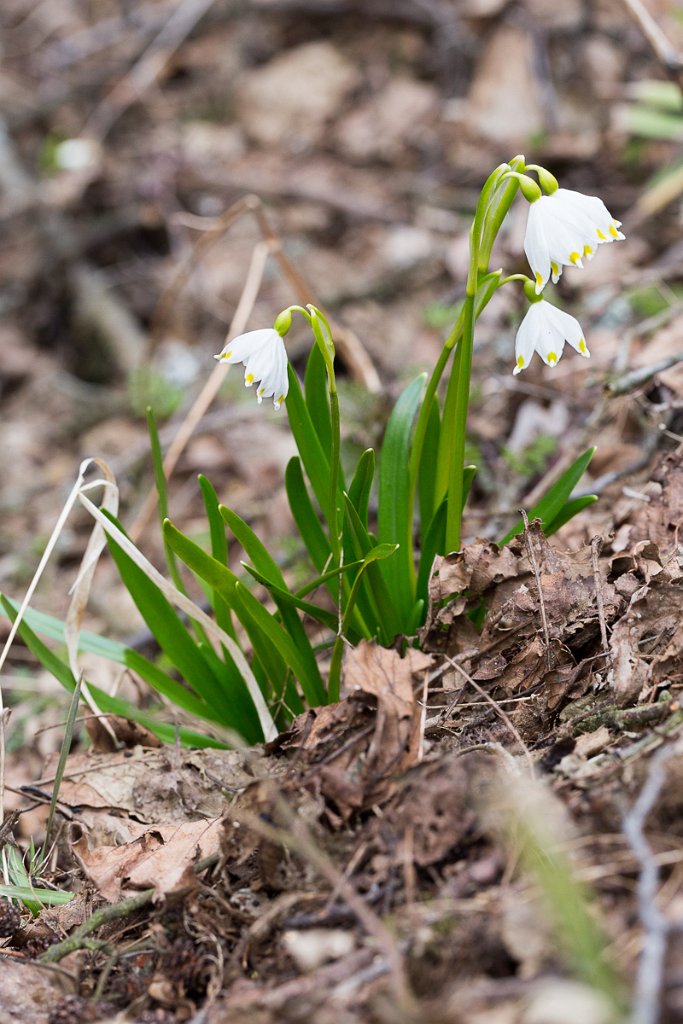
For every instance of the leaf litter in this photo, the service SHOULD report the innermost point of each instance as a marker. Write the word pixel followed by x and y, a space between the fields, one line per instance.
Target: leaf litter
pixel 411 795
pixel 411 790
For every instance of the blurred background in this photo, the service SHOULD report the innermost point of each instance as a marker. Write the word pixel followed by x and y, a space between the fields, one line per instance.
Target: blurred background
pixel 130 135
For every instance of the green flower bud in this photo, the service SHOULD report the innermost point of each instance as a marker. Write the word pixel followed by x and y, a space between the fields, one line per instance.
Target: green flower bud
pixel 529 188
pixel 548 181
pixel 283 321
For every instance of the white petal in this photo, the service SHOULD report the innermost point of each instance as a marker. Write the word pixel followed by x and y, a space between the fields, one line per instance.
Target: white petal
pixel 570 328
pixel 564 229
pixel 240 348
pixel 265 362
pixel 536 245
pixel 525 342
pixel 545 329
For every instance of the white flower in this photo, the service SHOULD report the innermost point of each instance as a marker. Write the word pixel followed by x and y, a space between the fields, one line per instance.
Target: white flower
pixel 544 329
pixel 564 229
pixel 265 362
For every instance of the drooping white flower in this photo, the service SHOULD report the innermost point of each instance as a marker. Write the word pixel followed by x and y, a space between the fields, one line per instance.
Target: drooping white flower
pixel 565 228
pixel 544 329
pixel 265 362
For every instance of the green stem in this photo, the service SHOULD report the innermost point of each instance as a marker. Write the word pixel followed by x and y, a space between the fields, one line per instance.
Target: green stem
pixel 488 287
pixel 462 369
pixel 487 221
pixel 497 211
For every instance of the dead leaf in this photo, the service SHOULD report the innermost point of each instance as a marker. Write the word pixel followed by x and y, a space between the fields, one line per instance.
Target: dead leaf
pixel 160 858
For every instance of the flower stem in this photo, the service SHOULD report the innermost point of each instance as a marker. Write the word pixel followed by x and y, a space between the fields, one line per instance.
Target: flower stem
pixel 460 374
pixel 494 202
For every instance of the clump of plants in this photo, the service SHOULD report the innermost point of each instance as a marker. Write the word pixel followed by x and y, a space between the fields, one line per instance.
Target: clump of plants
pixel 240 673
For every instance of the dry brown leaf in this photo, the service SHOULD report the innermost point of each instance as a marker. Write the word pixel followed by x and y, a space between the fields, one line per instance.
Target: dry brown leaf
pixel 160 858
pixel 381 673
pixel 356 747
pixel 153 785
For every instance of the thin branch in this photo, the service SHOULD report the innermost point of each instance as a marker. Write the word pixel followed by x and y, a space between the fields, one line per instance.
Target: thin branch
pixel 596 544
pixel 537 576
pixel 670 59
pixel 499 711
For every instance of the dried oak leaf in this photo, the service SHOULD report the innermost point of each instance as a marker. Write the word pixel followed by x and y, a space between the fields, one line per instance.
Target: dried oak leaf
pixel 647 642
pixel 159 858
pixel 658 517
pixel 503 582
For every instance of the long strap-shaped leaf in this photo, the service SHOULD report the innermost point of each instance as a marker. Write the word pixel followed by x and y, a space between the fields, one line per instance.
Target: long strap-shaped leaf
pixel 395 513
pixel 115 705
pixel 220 577
pixel 552 502
pixel 305 516
pixel 269 568
pixel 188 606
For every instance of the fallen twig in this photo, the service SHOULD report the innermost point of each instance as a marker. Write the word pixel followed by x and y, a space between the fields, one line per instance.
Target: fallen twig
pixel 537 576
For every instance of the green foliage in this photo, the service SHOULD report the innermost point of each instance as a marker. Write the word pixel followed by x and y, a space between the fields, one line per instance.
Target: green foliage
pixel 255 662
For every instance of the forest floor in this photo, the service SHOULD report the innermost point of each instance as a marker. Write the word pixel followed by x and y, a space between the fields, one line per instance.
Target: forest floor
pixel 487 830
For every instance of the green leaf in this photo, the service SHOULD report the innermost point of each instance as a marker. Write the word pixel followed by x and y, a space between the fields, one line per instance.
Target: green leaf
pixel 433 544
pixel 376 554
pixel 305 516
pixel 322 615
pixel 167 627
pixel 224 581
pixel 162 493
pixel 52 628
pixel 426 481
pixel 219 550
pixel 268 568
pixel 395 512
pixel 317 399
pixel 36 898
pixel 293 656
pixel 169 687
pixel 308 445
pixel 219 542
pixel 374 600
pixel 555 498
pixel 238 703
pixel 113 705
pixel 273 639
pixel 568 511
pixel 434 541
pixel 361 485
pixel 254 548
